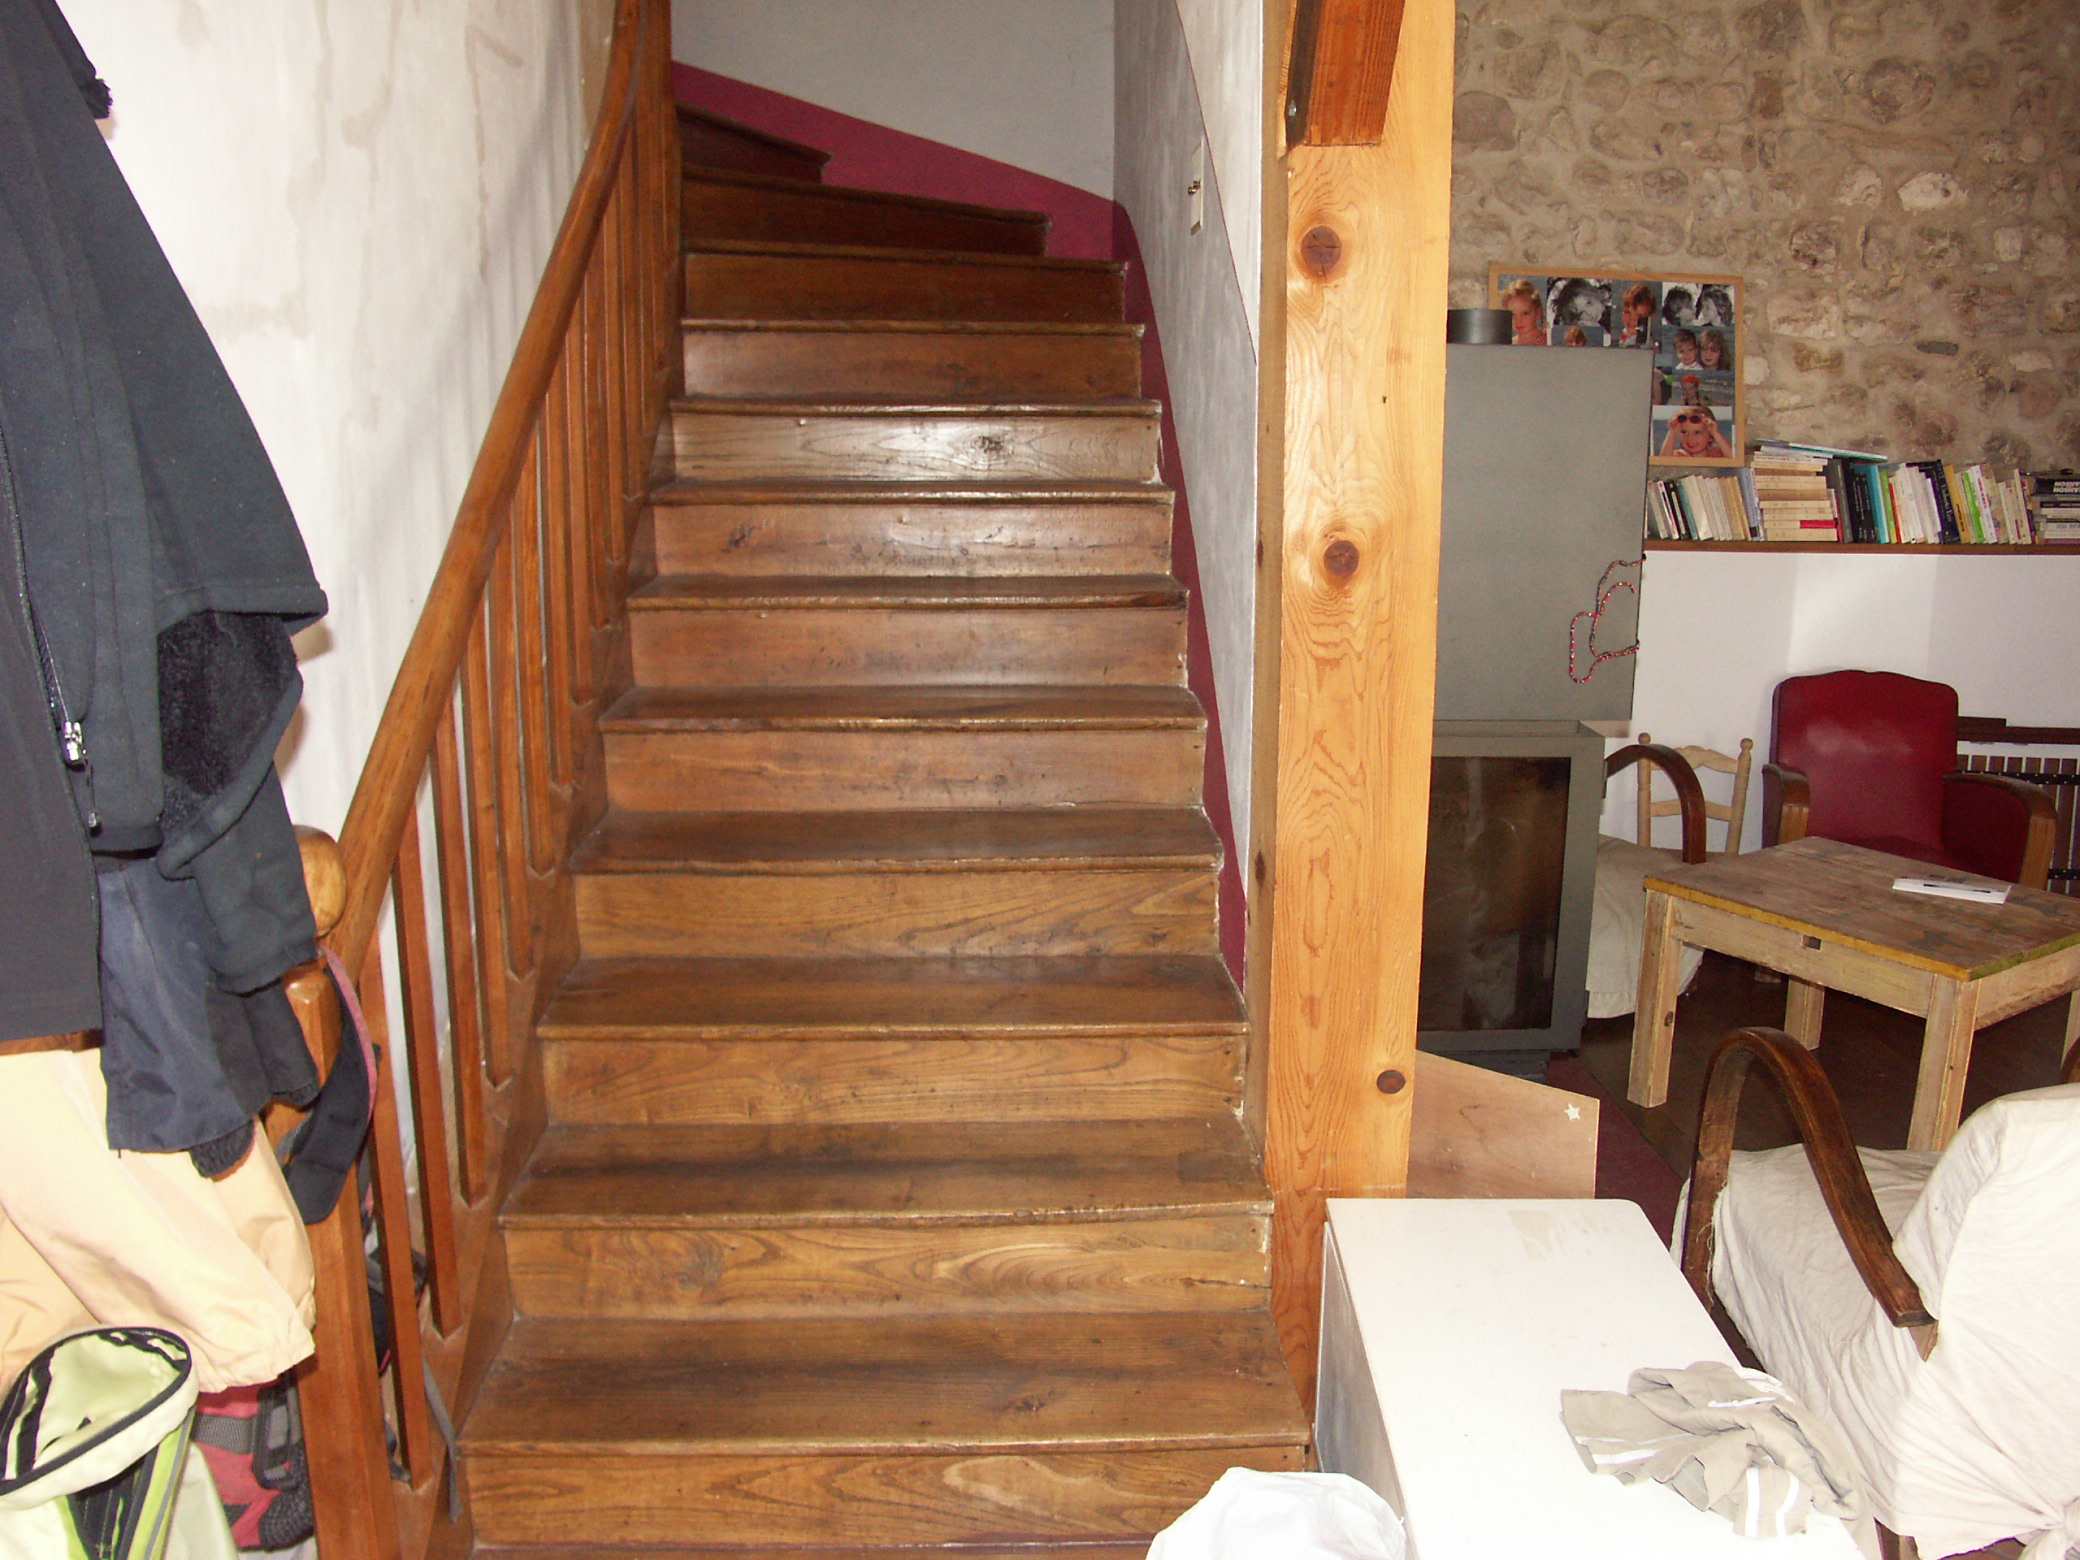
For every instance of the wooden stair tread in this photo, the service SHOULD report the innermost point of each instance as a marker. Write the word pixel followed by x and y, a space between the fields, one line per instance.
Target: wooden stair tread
pixel 891 998
pixel 917 841
pixel 1062 1550
pixel 1110 406
pixel 845 193
pixel 1120 707
pixel 798 249
pixel 690 490
pixel 889 1386
pixel 1069 329
pixel 678 592
pixel 906 1174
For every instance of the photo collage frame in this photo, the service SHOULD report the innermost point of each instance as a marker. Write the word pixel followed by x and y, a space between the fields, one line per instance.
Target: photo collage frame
pixel 1690 321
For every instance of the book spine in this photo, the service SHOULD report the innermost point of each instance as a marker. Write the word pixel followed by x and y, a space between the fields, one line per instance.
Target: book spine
pixel 1838 493
pixel 1939 491
pixel 1751 506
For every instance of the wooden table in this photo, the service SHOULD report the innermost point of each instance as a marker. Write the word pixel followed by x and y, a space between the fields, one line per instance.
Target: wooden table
pixel 1826 915
pixel 1450 1329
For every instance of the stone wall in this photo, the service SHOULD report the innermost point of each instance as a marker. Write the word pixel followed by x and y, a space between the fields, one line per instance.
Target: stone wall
pixel 1895 181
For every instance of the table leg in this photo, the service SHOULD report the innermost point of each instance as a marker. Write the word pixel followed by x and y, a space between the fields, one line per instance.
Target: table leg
pixel 1654 1012
pixel 1804 1002
pixel 2072 1051
pixel 1946 1050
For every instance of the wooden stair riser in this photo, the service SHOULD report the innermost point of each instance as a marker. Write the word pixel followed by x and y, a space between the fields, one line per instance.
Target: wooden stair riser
pixel 809 1498
pixel 1205 1260
pixel 912 537
pixel 823 770
pixel 969 363
pixel 896 646
pixel 734 285
pixel 1019 913
pixel 709 141
pixel 724 1082
pixel 929 444
pixel 772 212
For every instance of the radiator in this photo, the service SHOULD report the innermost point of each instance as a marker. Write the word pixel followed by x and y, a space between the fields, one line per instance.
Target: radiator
pixel 2061 777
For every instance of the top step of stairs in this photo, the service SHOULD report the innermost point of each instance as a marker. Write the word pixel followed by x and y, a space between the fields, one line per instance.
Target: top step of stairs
pixel 718 204
pixel 710 141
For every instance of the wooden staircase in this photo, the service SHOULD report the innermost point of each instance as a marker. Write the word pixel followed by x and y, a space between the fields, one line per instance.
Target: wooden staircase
pixel 893 1191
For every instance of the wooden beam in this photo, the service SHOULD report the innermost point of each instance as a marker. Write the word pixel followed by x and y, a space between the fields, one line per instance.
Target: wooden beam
pixel 1366 270
pixel 1340 76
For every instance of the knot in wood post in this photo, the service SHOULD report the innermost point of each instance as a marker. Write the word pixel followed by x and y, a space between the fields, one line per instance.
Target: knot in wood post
pixel 1340 558
pixel 1321 249
pixel 1392 1081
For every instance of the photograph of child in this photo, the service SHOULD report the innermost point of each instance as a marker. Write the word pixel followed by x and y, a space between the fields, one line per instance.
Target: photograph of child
pixel 1692 432
pixel 1694 366
pixel 1526 303
pixel 1578 311
pixel 1638 304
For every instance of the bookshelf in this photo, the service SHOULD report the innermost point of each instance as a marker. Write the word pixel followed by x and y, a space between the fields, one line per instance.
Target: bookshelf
pixel 1886 549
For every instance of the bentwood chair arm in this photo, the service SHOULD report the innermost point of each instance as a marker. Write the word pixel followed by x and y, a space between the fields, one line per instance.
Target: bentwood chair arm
pixel 1689 794
pixel 1804 1088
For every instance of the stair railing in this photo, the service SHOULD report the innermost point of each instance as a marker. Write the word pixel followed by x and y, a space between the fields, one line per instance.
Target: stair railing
pixel 493 714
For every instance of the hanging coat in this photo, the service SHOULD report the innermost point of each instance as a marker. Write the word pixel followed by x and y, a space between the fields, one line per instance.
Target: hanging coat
pixel 165 572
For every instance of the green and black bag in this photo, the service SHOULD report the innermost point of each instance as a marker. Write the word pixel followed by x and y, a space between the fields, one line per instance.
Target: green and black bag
pixel 94 1455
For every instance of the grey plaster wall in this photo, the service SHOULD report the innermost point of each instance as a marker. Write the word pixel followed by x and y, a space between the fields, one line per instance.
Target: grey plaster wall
pixel 1208 350
pixel 1894 179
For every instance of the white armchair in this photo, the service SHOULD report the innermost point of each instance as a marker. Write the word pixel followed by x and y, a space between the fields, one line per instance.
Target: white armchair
pixel 1928 1303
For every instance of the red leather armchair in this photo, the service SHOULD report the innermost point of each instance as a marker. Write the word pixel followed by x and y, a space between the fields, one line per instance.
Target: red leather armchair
pixel 1870 758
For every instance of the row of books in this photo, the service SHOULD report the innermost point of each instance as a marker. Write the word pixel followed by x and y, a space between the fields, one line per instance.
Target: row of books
pixel 1810 493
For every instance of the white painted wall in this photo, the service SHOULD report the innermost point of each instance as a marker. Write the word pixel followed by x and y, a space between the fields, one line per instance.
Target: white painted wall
pixel 359 199
pixel 1027 83
pixel 1718 631
pixel 1209 351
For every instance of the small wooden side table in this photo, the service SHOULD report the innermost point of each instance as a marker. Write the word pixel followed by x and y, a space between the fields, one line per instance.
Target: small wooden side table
pixel 1827 916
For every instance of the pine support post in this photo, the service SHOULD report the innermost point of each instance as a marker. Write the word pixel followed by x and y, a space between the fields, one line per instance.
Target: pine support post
pixel 1366 265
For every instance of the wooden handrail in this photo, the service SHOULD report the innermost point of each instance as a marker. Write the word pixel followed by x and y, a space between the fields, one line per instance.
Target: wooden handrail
pixel 489 717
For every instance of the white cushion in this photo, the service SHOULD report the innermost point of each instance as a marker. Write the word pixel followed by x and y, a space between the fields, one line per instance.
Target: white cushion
pixel 1978 1442
pixel 1618 925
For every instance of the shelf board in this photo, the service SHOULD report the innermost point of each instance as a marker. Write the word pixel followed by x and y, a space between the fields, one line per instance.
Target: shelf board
pixel 1974 549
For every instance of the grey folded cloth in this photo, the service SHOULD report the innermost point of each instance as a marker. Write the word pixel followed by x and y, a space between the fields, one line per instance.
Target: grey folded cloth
pixel 1727 1440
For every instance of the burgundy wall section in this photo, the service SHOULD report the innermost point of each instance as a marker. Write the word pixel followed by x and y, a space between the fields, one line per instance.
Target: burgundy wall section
pixel 865 155
pixel 868 156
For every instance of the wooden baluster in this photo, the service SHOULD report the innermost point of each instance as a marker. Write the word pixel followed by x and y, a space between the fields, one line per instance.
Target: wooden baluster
pixel 482 761
pixel 423 1058
pixel 596 457
pixel 641 345
pixel 614 294
pixel 531 688
pixel 415 1433
pixel 621 291
pixel 577 500
pixel 465 1029
pixel 565 718
pixel 337 1388
pixel 512 806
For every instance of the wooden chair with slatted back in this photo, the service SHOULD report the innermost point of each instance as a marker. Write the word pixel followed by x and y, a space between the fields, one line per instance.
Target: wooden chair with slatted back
pixel 1732 813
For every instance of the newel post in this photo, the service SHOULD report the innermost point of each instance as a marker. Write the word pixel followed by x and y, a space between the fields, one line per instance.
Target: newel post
pixel 338 1387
